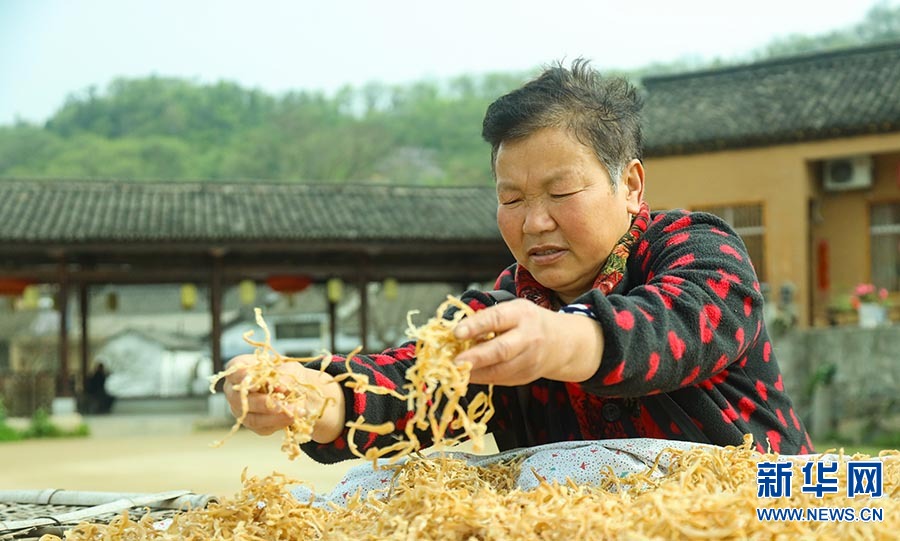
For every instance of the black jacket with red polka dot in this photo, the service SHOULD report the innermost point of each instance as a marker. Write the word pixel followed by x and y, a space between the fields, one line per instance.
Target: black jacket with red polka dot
pixel 686 357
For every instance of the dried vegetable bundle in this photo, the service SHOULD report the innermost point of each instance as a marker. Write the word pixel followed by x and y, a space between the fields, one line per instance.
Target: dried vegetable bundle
pixel 707 494
pixel 435 388
pixel 263 376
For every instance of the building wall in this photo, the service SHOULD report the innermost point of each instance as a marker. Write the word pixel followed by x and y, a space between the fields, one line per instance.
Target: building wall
pixel 845 224
pixel 860 397
pixel 785 180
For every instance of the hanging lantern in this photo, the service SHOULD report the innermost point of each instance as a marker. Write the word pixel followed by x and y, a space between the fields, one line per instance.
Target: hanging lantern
pixel 391 289
pixel 247 292
pixel 31 297
pixel 13 286
pixel 188 296
pixel 335 289
pixel 288 284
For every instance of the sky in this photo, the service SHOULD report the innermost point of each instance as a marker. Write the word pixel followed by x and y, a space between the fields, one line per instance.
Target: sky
pixel 50 49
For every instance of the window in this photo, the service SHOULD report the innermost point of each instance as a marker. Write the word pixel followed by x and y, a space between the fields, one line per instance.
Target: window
pixel 297 329
pixel 885 234
pixel 747 221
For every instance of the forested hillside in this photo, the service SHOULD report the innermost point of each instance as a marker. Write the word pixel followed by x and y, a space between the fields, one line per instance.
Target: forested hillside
pixel 422 133
pixel 155 128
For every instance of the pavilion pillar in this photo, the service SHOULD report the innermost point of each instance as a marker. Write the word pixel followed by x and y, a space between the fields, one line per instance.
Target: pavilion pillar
pixel 363 311
pixel 63 388
pixel 215 312
pixel 84 306
pixel 332 325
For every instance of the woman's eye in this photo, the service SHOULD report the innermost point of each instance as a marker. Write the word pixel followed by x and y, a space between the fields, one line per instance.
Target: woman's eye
pixel 510 202
pixel 562 195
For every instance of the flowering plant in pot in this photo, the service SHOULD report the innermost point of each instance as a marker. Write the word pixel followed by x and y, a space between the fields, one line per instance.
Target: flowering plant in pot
pixel 871 304
pixel 868 294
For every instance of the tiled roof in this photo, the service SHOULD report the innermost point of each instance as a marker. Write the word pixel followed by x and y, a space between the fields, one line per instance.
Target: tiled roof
pixel 810 97
pixel 842 93
pixel 75 212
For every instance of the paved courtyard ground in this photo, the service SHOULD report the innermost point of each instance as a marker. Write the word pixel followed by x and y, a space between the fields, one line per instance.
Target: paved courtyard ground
pixel 150 453
pixel 153 453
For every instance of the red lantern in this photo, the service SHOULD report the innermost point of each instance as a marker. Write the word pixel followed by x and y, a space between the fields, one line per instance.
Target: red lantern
pixel 288 284
pixel 13 286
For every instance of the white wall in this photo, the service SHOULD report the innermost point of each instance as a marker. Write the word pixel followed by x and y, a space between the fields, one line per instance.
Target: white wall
pixel 140 367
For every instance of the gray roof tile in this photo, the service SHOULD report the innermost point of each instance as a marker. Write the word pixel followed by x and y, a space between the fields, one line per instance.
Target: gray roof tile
pixel 809 97
pixel 104 211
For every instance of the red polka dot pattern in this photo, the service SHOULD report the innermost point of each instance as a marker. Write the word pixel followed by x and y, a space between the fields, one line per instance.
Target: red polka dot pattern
pixel 625 320
pixel 730 250
pixel 615 376
pixel 684 317
pixel 653 366
pixel 676 345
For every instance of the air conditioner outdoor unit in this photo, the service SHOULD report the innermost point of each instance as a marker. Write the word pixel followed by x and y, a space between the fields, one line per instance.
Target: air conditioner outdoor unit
pixel 849 173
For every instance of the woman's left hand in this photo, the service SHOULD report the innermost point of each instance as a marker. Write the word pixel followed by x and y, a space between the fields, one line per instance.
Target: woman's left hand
pixel 530 343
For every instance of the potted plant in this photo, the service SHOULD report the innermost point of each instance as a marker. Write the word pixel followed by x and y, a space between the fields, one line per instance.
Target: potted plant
pixel 869 302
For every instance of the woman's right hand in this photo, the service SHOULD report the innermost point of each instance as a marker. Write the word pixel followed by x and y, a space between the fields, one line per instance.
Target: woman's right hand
pixel 265 420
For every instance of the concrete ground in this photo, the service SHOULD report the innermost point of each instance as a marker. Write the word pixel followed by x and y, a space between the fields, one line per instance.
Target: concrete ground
pixel 150 453
pixel 158 452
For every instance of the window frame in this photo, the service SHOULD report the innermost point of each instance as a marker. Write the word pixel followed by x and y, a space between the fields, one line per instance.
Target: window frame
pixel 874 230
pixel 762 270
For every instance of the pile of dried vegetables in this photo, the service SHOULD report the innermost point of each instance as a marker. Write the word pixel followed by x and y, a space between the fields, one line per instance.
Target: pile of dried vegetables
pixel 708 493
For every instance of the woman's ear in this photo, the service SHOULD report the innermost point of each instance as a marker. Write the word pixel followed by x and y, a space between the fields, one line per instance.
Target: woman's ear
pixel 633 180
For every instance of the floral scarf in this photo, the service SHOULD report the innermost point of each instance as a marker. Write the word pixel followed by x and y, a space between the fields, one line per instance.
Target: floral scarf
pixel 610 275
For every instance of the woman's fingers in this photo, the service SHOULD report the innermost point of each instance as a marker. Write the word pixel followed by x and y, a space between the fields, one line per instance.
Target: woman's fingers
pixel 516 371
pixel 266 414
pixel 519 349
pixel 239 364
pixel 495 319
pixel 500 349
pixel 297 393
pixel 263 403
pixel 503 323
pixel 264 424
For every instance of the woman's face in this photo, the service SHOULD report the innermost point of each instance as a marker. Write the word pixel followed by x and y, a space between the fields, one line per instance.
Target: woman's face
pixel 557 211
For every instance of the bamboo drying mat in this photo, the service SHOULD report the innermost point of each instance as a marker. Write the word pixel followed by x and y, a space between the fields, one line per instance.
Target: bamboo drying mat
pixel 27 515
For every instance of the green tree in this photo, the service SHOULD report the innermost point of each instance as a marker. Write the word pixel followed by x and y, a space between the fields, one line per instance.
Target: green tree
pixel 24 148
pixel 427 132
pixel 164 107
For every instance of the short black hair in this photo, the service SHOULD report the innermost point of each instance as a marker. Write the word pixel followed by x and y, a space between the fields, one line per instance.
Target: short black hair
pixel 602 113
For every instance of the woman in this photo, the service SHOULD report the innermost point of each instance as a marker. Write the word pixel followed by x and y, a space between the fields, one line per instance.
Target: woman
pixel 626 323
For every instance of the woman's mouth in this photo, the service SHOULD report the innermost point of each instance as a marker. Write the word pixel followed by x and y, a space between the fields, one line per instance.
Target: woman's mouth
pixel 545 255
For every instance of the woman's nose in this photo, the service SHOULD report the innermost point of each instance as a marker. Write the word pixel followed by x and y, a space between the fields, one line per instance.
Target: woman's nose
pixel 537 219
